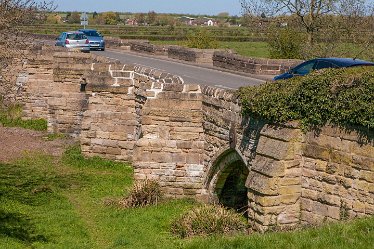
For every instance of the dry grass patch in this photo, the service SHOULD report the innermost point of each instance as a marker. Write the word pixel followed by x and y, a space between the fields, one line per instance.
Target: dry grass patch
pixel 143 193
pixel 209 220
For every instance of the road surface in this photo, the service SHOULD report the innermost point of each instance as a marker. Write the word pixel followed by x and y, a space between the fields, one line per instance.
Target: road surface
pixel 191 74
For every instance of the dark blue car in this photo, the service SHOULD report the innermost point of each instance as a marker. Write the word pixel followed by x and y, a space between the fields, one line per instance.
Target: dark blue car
pixel 320 63
pixel 96 40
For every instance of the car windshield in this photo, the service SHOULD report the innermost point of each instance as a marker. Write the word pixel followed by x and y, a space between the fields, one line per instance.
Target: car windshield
pixel 304 68
pixel 91 33
pixel 75 36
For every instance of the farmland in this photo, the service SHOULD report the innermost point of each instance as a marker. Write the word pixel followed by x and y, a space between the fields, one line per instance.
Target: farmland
pixel 152 33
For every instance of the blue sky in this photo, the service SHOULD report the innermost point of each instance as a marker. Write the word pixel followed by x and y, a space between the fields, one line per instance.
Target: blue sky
pixel 209 7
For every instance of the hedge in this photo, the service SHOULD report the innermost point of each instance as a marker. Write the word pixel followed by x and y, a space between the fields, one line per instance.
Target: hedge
pixel 343 97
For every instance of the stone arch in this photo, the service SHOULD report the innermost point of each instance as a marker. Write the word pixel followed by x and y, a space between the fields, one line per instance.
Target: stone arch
pixel 226 180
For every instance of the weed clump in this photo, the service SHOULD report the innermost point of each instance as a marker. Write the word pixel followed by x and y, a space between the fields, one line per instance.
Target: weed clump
pixel 209 220
pixel 143 193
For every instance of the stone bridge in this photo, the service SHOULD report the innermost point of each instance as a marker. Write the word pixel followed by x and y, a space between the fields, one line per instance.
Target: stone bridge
pixel 195 141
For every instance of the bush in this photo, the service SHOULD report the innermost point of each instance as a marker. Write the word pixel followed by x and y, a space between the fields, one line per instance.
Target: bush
pixel 202 39
pixel 342 97
pixel 285 43
pixel 143 193
pixel 208 220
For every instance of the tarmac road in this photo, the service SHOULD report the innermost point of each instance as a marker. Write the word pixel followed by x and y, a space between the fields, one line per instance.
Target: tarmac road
pixel 191 74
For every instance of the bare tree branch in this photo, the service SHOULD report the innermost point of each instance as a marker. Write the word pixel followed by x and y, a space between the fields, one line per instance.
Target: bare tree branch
pixel 13 42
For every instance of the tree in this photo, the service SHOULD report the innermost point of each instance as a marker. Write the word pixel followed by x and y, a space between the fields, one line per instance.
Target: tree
pixel 53 19
pixel 111 17
pixel 223 14
pixel 308 12
pixel 140 18
pixel 151 17
pixel 327 23
pixel 165 20
pixel 201 39
pixel 74 18
pixel 13 14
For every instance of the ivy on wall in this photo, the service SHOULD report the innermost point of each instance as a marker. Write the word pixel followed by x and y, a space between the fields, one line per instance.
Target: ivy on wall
pixel 343 97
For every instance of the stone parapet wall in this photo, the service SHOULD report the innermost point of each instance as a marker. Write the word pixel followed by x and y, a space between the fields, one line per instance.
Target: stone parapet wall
pixel 67 102
pixel 252 65
pixel 146 47
pixel 109 123
pixel 171 144
pixel 200 56
pixel 35 83
pixel 337 175
pixel 50 88
pixel 116 95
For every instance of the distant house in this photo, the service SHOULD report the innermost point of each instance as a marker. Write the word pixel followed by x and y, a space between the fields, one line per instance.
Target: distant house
pixel 201 21
pixel 187 20
pixel 210 22
pixel 131 22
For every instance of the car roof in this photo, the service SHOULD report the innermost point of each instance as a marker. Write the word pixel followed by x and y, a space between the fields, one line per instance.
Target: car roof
pixel 74 32
pixel 86 30
pixel 346 62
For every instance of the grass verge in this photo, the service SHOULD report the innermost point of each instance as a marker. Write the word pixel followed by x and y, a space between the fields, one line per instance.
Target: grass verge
pixel 48 202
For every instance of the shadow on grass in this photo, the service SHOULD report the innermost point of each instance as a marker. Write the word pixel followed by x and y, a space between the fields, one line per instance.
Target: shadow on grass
pixel 19 226
pixel 25 184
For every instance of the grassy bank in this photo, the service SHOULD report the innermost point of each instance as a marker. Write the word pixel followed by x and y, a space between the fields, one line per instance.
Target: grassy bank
pixel 60 203
pixel 11 116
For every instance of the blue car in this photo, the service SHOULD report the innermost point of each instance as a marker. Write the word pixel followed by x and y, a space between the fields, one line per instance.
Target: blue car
pixel 95 39
pixel 320 63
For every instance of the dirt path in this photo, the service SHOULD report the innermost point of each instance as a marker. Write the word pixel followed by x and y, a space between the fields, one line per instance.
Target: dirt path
pixel 15 142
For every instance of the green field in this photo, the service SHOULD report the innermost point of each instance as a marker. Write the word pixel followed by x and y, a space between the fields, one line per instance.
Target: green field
pixel 173 33
pixel 54 203
pixel 245 41
pixel 250 49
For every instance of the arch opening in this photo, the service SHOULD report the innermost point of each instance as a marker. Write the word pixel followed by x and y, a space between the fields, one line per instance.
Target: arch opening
pixel 227 181
pixel 231 190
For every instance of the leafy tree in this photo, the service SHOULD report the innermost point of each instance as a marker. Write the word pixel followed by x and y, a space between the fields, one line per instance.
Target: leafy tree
pixel 285 43
pixel 53 19
pixel 223 14
pixel 151 17
pixel 309 13
pixel 140 18
pixel 327 24
pixel 99 20
pixel 165 20
pixel 202 39
pixel 110 17
pixel 74 18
